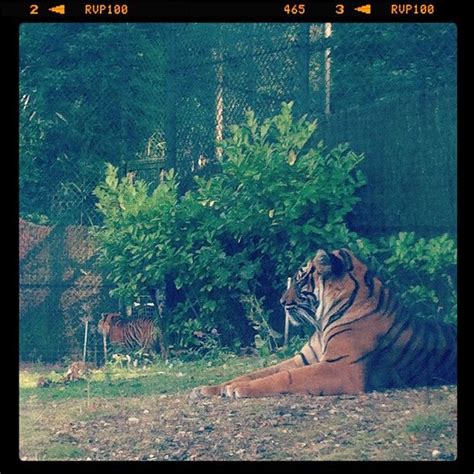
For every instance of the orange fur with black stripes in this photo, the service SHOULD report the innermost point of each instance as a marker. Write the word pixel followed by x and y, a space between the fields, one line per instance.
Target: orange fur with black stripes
pixel 129 332
pixel 363 338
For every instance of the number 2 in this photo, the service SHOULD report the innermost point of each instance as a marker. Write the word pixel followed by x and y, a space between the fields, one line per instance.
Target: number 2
pixel 33 9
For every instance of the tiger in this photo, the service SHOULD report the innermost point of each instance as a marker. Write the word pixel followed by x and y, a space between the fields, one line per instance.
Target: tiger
pixel 363 338
pixel 129 332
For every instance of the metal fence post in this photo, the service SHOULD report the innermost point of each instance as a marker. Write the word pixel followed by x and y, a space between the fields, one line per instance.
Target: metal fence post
pixel 171 97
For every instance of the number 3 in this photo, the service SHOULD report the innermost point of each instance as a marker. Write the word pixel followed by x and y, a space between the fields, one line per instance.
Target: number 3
pixel 339 9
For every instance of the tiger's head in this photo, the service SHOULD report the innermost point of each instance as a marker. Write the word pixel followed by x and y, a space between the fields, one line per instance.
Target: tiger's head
pixel 324 283
pixel 107 320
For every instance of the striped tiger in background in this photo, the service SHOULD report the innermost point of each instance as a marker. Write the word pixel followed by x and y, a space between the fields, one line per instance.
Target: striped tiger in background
pixel 129 332
pixel 363 339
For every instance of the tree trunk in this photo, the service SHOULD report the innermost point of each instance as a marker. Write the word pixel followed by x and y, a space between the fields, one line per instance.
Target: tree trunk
pixel 160 325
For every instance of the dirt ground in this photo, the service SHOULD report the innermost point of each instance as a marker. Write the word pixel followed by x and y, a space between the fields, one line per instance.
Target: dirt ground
pixel 393 425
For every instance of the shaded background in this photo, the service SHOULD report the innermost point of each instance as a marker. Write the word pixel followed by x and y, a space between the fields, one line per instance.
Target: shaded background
pixel 147 97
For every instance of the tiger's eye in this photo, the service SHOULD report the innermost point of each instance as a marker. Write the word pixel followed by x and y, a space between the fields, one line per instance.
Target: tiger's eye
pixel 324 259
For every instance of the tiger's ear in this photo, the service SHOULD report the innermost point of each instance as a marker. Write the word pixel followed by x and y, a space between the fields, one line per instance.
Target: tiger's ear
pixel 337 265
pixel 345 256
pixel 328 264
pixel 322 262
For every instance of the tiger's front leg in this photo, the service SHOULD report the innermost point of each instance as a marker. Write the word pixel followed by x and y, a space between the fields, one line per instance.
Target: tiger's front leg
pixel 325 378
pixel 222 389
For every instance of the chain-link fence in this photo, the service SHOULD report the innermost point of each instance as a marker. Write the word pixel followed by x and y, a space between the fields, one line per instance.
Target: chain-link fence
pixel 154 96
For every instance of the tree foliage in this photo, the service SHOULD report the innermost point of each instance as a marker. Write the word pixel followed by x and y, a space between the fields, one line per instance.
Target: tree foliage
pixel 240 233
pixel 85 99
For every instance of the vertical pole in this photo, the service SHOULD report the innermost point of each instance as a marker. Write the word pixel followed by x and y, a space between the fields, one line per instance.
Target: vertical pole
pixel 252 65
pixel 285 341
pixel 104 340
pixel 85 340
pixel 219 101
pixel 287 319
pixel 171 97
pixel 327 70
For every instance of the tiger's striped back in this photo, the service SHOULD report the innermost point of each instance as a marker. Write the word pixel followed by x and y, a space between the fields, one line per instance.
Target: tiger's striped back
pixel 359 320
pixel 413 352
pixel 130 332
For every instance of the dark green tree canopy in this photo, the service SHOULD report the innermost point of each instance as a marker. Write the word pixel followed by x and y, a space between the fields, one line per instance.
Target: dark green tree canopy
pixel 89 94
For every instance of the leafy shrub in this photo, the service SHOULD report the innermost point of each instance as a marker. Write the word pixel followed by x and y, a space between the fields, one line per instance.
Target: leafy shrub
pixel 266 338
pixel 137 359
pixel 295 343
pixel 240 233
pixel 194 341
pixel 422 272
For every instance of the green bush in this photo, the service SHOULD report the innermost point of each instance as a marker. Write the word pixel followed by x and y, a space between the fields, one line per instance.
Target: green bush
pixel 421 271
pixel 239 233
pixel 266 339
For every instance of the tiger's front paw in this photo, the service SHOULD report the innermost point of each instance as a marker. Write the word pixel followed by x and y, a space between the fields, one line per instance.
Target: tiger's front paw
pixel 236 390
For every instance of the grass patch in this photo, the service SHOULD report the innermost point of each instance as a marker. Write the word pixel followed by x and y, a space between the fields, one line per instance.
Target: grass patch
pixel 428 424
pixel 109 387
pixel 160 378
pixel 61 452
pixel 33 435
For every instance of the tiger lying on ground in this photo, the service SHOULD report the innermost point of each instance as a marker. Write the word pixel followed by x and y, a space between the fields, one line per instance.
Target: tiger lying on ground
pixel 363 340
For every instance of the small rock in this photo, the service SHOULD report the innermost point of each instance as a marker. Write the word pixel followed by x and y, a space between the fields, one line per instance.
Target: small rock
pixel 133 421
pixel 435 454
pixel 146 412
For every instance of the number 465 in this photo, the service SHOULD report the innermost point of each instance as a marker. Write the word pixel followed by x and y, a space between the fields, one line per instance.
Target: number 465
pixel 295 9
